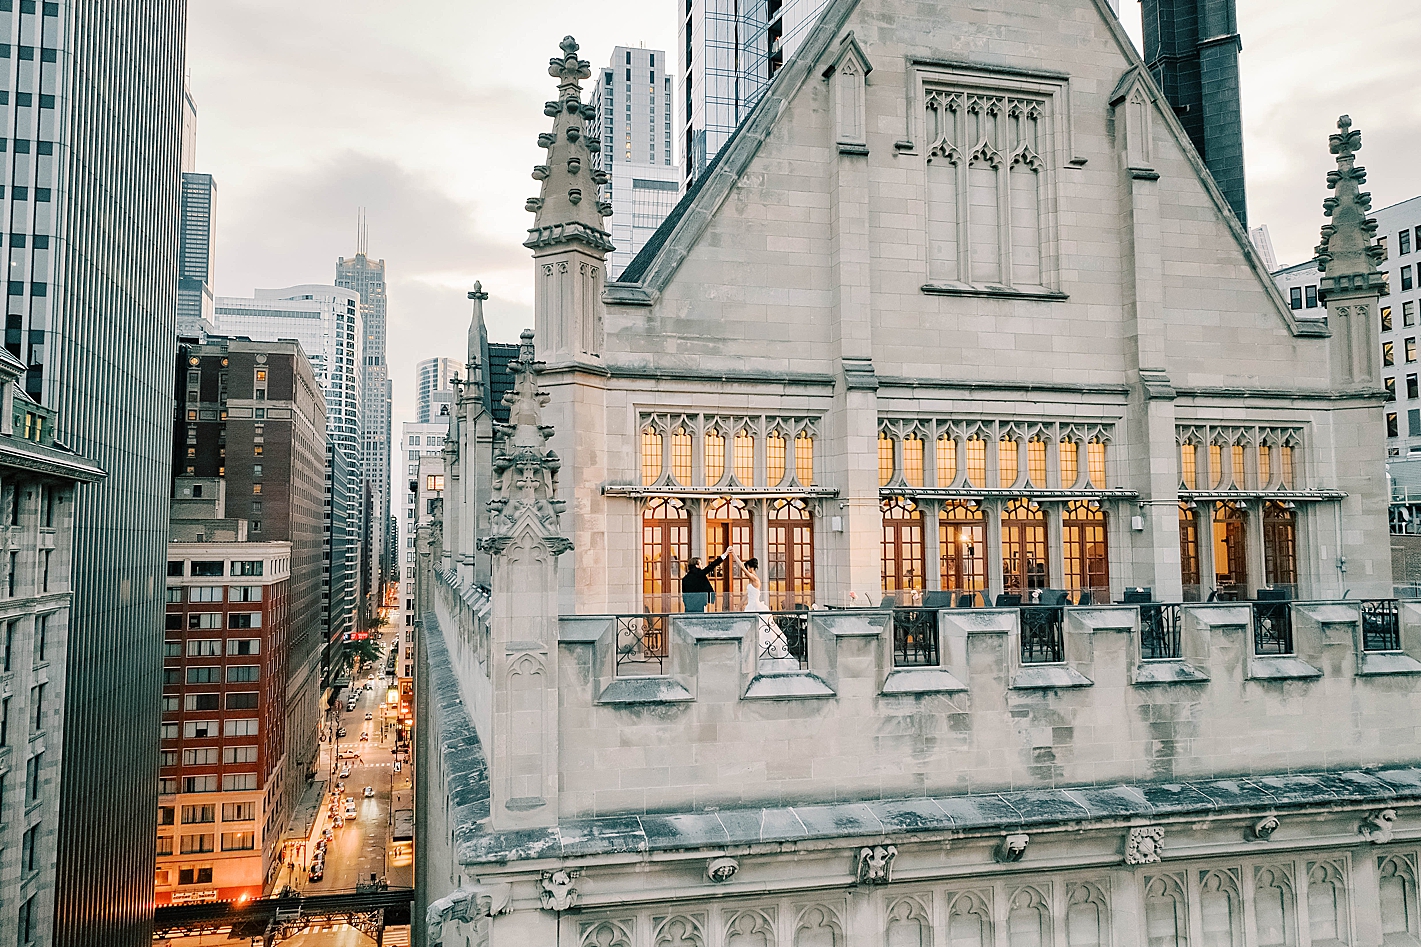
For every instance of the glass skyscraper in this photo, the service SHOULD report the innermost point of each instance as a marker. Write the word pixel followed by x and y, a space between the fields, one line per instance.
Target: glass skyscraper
pixel 96 109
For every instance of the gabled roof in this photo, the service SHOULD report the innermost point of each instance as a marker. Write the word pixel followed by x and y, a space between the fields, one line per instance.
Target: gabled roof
pixel 653 268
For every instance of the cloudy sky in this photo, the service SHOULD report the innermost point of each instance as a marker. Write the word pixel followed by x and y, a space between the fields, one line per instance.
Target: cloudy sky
pixel 426 112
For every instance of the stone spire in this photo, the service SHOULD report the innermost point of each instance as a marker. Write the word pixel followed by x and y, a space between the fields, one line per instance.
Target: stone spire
pixel 568 208
pixel 476 330
pixel 1348 254
pixel 525 504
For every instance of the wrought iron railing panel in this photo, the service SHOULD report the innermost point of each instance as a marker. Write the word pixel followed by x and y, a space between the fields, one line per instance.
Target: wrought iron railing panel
pixel 642 643
pixel 1381 624
pixel 784 636
pixel 1159 631
pixel 915 638
pixel 1272 628
pixel 1042 637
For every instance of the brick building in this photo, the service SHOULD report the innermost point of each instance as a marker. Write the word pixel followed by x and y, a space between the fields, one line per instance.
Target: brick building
pixel 249 457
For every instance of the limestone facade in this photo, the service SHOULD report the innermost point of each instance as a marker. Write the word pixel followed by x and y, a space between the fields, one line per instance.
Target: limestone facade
pixel 957 309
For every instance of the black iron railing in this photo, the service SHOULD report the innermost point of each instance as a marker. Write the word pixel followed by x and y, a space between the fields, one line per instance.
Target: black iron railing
pixel 1159 631
pixel 1272 628
pixel 1042 639
pixel 641 643
pixel 1381 624
pixel 784 636
pixel 915 638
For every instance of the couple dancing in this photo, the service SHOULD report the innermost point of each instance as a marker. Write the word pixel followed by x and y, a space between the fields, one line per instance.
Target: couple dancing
pixel 697 592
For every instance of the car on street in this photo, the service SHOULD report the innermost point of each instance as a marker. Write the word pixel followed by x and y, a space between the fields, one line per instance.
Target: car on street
pixel 369 792
pixel 340 788
pixel 339 822
pixel 340 732
pixel 345 771
pixel 369 716
pixel 350 809
pixel 365 736
pixel 317 872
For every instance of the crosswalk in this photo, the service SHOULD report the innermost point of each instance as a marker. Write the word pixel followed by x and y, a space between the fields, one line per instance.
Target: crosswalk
pixel 397 936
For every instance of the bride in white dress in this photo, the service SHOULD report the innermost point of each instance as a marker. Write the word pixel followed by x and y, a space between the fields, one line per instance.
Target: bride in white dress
pixel 772 642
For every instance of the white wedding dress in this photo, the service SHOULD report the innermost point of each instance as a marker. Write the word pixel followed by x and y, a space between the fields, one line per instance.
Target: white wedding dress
pixel 774 650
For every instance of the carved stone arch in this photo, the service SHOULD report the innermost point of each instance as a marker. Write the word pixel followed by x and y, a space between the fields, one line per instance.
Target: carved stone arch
pixel 969 919
pixel 751 927
pixel 1167 905
pixel 679 930
pixel 1221 902
pixel 819 925
pixel 847 75
pixel 1274 904
pixel 908 920
pixel 1087 915
pixel 945 112
pixel 1029 915
pixel 608 933
pixel 1132 106
pixel 1329 915
pixel 1396 881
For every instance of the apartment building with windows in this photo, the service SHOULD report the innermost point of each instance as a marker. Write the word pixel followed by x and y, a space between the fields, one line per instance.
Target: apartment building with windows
pixel 250 433
pixel 223 741
pixel 420 445
pixel 328 323
pixel 38 484
pixel 633 100
pixel 434 389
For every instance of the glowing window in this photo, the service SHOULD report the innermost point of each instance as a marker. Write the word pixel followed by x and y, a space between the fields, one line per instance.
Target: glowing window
pixel 1095 462
pixel 1265 465
pixel 804 459
pixel 1285 466
pixel 681 456
pixel 1189 466
pixel 1236 458
pixel 775 458
pixel 650 457
pixel 1216 465
pixel 885 459
pixel 744 458
pixel 913 461
pixel 1036 462
pixel 1070 462
pixel 977 461
pixel 715 457
pixel 1006 461
pixel 946 461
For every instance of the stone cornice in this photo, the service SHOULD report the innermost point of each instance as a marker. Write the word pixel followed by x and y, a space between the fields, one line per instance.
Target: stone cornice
pixel 26 455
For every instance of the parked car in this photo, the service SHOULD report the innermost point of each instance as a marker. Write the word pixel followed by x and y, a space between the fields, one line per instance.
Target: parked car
pixel 339 822
pixel 345 771
pixel 369 792
pixel 318 872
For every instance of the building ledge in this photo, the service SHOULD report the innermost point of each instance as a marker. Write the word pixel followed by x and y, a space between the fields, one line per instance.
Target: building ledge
pixel 1048 677
pixel 1281 669
pixel 787 685
pixel 644 690
pixel 1169 672
pixel 922 681
pixel 992 292
pixel 1374 663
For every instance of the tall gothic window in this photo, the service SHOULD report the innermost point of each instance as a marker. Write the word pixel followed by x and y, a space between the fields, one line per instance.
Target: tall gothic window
pixel 913 460
pixel 946 461
pixel 665 547
pixel 681 456
pixel 804 460
pixel 744 458
pixel 715 457
pixel 775 458
pixel 1280 544
pixel 885 459
pixel 728 525
pixel 985 189
pixel 903 546
pixel 962 544
pixel 1189 551
pixel 1024 553
pixel 1070 463
pixel 650 457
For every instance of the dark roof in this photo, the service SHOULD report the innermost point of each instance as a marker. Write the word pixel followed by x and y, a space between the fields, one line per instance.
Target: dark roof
pixel 636 269
pixel 500 354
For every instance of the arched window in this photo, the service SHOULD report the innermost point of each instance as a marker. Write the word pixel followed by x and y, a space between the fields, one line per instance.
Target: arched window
pixel 1397 888
pixel 728 524
pixel 1189 551
pixel 976 461
pixel 1220 909
pixel 1230 548
pixel 1280 545
pixel 1036 462
pixel 1024 554
pixel 790 574
pixel 774 459
pixel 913 460
pixel 804 459
pixel 962 542
pixel 650 456
pixel 744 458
pixel 946 461
pixel 1166 915
pixel 1265 466
pixel 681 456
pixel 885 459
pixel 1069 453
pixel 665 548
pixel 1285 462
pixel 1095 463
pixel 715 457
pixel 1189 466
pixel 1085 545
pixel 903 548
pixel 1273 908
pixel 1007 462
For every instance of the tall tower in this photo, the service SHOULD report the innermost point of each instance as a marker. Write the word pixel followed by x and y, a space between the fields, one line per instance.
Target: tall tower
pixel 100 345
pixel 1191 49
pixel 632 100
pixel 434 389
pixel 367 277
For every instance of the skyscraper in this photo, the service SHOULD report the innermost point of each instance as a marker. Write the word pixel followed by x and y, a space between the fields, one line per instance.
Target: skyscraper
pixel 632 99
pixel 367 277
pixel 326 321
pixel 1191 48
pixel 98 248
pixel 731 51
pixel 195 264
pixel 432 379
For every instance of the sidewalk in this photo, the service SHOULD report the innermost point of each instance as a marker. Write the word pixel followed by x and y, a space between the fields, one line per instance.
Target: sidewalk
pixel 305 827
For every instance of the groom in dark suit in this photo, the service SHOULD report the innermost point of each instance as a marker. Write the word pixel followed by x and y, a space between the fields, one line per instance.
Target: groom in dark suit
pixel 696 590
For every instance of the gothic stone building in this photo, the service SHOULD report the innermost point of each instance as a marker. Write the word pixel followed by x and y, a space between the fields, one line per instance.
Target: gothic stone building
pixel 957 322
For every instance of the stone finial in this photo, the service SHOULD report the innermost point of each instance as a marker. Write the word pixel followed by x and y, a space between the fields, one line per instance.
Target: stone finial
pixel 1348 253
pixel 525 500
pixel 477 293
pixel 475 343
pixel 562 216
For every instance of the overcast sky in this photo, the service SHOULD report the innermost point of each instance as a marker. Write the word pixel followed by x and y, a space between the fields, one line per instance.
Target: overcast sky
pixel 426 112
